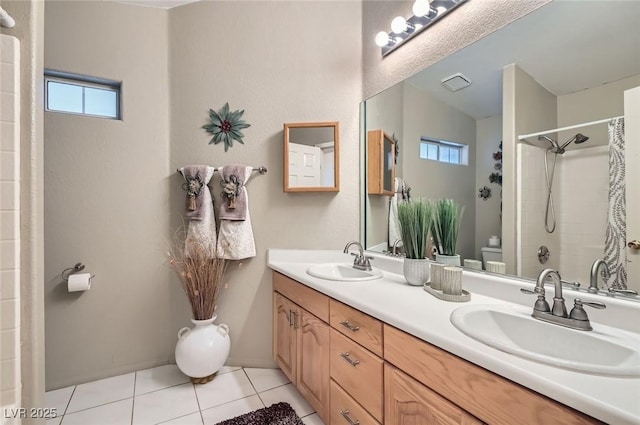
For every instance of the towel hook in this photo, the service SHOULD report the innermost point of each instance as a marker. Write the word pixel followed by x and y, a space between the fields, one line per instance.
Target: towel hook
pixel 70 270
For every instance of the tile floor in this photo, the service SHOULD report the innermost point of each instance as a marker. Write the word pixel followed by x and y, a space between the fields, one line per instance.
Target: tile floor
pixel 163 395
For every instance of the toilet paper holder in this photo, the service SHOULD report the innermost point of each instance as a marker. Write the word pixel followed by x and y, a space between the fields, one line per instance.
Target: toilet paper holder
pixel 71 270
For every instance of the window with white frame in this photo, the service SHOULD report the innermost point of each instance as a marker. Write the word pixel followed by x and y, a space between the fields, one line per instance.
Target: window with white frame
pixel 444 151
pixel 81 95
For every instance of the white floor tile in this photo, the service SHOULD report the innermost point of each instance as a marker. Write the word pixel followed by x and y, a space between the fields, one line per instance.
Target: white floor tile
pixel 223 389
pixel 59 399
pixel 159 378
pixel 117 413
pixel 192 419
pixel 231 410
pixel 266 379
pixel 100 392
pixel 54 421
pixel 289 394
pixel 313 419
pixel 164 405
pixel 227 369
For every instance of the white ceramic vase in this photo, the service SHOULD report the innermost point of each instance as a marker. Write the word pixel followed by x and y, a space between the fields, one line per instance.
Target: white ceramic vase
pixel 203 349
pixel 416 271
pixel 453 260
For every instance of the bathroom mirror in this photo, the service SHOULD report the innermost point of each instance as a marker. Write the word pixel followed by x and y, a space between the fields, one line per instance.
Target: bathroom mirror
pixel 311 157
pixel 586 68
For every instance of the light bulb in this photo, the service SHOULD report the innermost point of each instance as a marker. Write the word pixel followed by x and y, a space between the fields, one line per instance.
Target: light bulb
pixel 421 8
pixel 441 10
pixel 382 39
pixel 398 25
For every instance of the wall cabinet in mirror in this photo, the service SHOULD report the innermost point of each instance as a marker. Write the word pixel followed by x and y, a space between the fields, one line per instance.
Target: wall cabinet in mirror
pixel 311 157
pixel 381 174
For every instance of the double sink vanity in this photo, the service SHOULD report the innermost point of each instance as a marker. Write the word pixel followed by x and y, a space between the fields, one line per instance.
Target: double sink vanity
pixel 364 347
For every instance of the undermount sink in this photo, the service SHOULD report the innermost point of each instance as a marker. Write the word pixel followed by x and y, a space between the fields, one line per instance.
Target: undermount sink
pixel 510 328
pixel 342 272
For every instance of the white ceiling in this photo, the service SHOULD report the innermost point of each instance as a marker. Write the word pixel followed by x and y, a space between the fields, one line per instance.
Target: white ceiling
pixel 567 46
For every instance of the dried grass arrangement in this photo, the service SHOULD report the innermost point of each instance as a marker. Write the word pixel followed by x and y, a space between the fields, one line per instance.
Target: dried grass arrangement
pixel 200 274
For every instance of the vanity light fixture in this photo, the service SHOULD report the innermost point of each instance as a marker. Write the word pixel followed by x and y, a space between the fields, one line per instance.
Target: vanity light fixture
pixel 425 13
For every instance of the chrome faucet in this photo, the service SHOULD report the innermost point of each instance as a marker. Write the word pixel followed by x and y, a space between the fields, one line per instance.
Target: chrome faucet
pixel 577 319
pixel 361 262
pixel 394 249
pixel 593 280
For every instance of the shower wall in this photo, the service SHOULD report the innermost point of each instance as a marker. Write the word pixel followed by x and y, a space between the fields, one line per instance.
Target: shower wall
pixel 10 218
pixel 583 183
pixel 580 186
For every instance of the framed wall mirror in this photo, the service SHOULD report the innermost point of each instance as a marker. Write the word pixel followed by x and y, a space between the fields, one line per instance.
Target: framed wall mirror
pixel 542 89
pixel 311 157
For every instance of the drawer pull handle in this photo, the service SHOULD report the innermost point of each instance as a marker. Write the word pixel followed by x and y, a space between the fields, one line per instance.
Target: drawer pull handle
pixel 346 357
pixel 345 415
pixel 352 328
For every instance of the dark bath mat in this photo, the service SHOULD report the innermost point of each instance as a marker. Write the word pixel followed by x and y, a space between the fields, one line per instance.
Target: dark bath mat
pixel 276 414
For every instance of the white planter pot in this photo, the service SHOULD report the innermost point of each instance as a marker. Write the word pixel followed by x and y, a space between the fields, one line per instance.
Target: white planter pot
pixel 202 350
pixel 416 271
pixel 453 260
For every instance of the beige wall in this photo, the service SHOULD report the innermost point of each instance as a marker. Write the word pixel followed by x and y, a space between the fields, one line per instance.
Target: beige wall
pixel 488 222
pixel 383 111
pixel 119 176
pixel 106 196
pixel 425 116
pixel 291 62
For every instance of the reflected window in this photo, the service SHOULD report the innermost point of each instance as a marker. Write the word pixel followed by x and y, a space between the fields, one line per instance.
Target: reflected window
pixel 444 151
pixel 81 95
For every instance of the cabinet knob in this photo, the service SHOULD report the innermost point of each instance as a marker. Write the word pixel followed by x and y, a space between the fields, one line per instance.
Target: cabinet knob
pixel 348 359
pixel 634 244
pixel 345 415
pixel 352 328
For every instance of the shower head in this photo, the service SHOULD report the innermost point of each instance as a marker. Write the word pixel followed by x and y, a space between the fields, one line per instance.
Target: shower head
pixel 578 138
pixel 554 145
pixel 581 138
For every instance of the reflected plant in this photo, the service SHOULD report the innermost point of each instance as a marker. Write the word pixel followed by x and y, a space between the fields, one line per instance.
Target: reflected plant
pixel 415 218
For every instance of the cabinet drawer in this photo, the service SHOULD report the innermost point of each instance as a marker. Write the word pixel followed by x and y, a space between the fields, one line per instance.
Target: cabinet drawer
pixel 345 410
pixel 309 299
pixel 358 371
pixel 360 327
pixel 487 396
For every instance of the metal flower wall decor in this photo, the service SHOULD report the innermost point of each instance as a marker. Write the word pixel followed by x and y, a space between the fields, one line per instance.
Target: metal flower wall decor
pixel 225 126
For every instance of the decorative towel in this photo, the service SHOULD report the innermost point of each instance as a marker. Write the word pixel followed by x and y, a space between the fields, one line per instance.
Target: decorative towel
pixel 201 232
pixel 194 184
pixel 615 248
pixel 402 192
pixel 235 240
pixel 234 205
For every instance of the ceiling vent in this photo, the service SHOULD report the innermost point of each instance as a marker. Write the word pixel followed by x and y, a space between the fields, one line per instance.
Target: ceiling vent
pixel 456 82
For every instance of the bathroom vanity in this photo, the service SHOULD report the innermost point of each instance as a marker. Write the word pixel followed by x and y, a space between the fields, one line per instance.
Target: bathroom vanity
pixel 382 352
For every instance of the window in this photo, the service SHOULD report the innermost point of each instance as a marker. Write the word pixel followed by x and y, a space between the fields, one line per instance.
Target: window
pixel 82 95
pixel 444 151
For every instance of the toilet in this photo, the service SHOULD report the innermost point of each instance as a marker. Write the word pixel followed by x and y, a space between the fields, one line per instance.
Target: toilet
pixel 490 253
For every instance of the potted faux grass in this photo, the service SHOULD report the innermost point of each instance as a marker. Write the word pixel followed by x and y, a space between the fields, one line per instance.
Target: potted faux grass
pixel 415 220
pixel 447 216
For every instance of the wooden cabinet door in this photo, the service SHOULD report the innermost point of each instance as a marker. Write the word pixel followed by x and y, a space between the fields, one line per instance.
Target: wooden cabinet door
pixel 284 335
pixel 409 402
pixel 313 362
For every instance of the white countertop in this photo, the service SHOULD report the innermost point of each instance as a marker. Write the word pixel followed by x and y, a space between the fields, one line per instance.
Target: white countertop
pixel 611 399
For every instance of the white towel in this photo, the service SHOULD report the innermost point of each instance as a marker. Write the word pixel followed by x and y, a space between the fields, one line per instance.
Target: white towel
pixel 202 233
pixel 235 240
pixel 394 224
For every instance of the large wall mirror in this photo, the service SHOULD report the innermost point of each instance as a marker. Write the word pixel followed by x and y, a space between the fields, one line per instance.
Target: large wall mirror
pixel 311 157
pixel 566 63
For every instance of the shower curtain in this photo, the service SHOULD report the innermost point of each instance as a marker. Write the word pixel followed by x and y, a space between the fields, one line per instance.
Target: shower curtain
pixel 615 251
